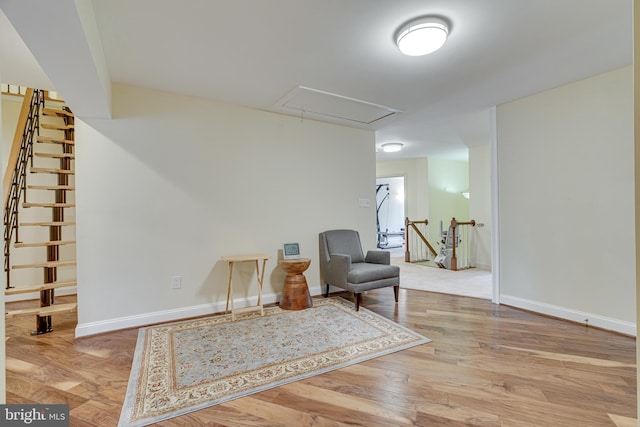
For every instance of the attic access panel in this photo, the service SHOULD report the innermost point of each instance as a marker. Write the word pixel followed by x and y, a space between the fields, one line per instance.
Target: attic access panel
pixel 335 108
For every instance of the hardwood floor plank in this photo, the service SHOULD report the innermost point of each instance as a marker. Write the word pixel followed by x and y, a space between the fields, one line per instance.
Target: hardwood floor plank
pixel 591 361
pixel 95 413
pixel 334 410
pixel 379 383
pixel 534 413
pixel 20 366
pixel 36 391
pixel 273 414
pixel 221 416
pixel 432 414
pixel 351 402
pixel 487 365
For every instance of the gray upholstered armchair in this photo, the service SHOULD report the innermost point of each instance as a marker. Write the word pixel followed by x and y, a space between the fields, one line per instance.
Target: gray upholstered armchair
pixel 343 264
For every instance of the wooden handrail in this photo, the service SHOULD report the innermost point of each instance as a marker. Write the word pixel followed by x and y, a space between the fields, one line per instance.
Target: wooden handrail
pixel 14 183
pixel 471 223
pixel 412 224
pixel 15 146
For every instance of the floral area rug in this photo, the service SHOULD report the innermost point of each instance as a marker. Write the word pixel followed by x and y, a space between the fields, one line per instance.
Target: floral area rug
pixel 186 366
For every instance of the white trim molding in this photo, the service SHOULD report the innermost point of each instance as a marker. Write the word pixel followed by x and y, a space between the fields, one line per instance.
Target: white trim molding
pixel 584 318
pixel 495 212
pixel 139 320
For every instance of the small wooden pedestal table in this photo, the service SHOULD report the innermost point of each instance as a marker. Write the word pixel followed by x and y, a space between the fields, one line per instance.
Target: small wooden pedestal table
pixel 260 276
pixel 295 293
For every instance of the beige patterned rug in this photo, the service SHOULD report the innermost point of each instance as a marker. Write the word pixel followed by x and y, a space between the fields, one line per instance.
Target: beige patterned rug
pixel 186 366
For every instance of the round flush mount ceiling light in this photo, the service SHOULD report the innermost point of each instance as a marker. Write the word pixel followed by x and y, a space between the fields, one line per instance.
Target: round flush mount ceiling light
pixel 392 147
pixel 422 36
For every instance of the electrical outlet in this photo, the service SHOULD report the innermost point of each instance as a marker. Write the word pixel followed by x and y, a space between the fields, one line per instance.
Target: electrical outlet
pixel 176 282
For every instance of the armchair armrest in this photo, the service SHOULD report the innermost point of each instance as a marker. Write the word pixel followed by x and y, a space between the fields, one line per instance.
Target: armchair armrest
pixel 337 269
pixel 378 257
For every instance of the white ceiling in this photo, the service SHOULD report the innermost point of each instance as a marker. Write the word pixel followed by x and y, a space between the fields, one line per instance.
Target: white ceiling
pixel 256 52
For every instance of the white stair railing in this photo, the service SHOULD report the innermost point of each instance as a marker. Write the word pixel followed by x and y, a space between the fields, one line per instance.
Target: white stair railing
pixel 461 242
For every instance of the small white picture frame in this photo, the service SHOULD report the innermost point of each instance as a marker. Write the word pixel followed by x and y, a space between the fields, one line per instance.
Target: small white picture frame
pixel 290 250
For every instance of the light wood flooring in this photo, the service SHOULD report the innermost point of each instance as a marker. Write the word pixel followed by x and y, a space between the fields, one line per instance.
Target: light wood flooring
pixel 488 365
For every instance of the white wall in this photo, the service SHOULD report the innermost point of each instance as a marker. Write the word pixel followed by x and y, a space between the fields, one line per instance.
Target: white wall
pixel 447 180
pixel 173 183
pixel 480 203
pixel 566 201
pixel 415 184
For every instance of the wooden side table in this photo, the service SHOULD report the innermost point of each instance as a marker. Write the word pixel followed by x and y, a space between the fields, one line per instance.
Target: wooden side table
pixel 295 293
pixel 260 276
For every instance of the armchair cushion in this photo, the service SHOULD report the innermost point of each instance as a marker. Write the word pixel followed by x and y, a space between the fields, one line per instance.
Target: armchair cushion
pixel 345 242
pixel 338 269
pixel 378 257
pixel 362 272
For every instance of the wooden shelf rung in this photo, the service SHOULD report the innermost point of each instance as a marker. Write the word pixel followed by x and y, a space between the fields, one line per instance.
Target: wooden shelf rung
pixel 47 224
pixel 56 155
pixel 45 264
pixel 48 243
pixel 37 288
pixel 54 140
pixel 52 170
pixel 51 187
pixel 44 311
pixel 48 205
pixel 56 127
pixel 56 112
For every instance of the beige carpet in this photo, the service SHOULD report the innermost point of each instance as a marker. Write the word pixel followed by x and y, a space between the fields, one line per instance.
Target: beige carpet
pixel 472 282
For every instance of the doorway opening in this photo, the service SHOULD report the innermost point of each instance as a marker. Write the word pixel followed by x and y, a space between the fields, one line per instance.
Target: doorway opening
pixel 390 210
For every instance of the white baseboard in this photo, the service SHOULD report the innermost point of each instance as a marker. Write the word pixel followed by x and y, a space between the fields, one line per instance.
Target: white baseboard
pixel 138 320
pixel 621 326
pixel 315 290
pixel 92 328
pixel 36 295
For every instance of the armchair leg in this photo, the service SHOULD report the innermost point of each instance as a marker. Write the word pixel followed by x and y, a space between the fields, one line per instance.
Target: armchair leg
pixel 395 291
pixel 358 299
pixel 326 292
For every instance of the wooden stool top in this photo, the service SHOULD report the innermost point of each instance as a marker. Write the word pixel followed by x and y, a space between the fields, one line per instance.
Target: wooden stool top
pixel 295 266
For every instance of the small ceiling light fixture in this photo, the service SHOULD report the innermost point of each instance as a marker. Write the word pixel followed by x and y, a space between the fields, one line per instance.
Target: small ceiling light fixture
pixel 392 147
pixel 422 36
